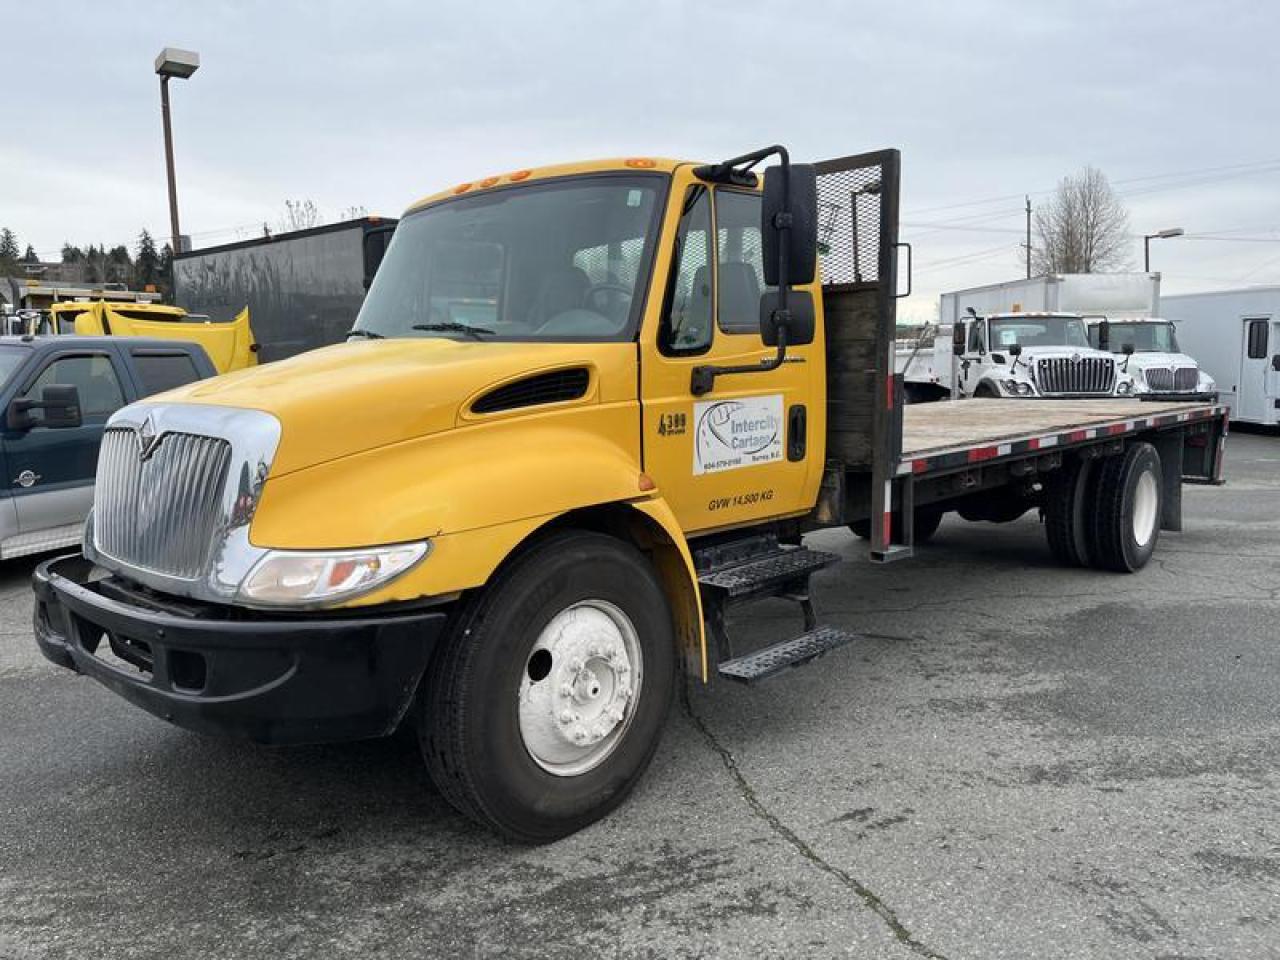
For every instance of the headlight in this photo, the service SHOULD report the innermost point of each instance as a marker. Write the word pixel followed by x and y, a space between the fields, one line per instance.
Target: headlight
pixel 1124 388
pixel 1207 384
pixel 1017 388
pixel 293 578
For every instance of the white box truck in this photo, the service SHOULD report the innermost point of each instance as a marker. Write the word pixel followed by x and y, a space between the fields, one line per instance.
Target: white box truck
pixel 1114 295
pixel 1235 334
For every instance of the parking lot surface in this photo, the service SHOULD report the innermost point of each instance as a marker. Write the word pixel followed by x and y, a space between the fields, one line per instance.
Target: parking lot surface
pixel 1017 761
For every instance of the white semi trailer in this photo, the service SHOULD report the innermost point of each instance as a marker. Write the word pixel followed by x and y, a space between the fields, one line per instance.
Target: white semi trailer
pixel 1235 334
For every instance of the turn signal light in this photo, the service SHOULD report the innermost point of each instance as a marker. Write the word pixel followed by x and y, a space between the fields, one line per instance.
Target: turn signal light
pixel 640 163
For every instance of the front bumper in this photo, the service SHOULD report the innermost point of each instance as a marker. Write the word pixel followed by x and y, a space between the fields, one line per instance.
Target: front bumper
pixel 274 680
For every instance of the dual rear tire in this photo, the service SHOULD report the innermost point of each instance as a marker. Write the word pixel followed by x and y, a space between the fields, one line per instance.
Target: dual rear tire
pixel 1106 514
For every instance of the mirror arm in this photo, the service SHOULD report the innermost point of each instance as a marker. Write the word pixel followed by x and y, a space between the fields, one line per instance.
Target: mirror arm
pixel 703 379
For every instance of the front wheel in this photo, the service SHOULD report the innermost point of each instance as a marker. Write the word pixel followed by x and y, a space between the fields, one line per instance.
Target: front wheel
pixel 548 697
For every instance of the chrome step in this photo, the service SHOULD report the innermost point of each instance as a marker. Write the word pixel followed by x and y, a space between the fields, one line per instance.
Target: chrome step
pixel 772 660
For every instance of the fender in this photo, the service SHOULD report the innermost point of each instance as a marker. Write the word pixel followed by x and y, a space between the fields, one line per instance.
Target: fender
pixel 675 567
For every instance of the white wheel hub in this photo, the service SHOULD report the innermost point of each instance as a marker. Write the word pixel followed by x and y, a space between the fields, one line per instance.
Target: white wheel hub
pixel 1146 500
pixel 580 684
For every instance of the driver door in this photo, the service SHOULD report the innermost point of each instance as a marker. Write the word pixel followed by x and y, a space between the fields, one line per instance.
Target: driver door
pixel 752 447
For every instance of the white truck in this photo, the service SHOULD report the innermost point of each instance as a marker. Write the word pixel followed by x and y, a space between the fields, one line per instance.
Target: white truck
pixel 1121 311
pixel 1020 355
pixel 1151 355
pixel 1235 334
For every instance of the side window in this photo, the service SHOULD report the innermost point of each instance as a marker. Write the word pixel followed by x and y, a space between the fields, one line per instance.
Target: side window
pixel 977 337
pixel 164 371
pixel 93 377
pixel 1257 339
pixel 741 274
pixel 686 321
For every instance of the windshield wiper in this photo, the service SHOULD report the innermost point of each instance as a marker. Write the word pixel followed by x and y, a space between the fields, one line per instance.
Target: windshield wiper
pixel 454 327
pixel 368 334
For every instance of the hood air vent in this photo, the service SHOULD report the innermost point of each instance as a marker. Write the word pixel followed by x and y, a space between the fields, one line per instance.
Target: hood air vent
pixel 554 387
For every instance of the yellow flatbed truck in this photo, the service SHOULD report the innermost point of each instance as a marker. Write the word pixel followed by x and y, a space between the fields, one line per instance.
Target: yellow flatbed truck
pixel 230 344
pixel 585 410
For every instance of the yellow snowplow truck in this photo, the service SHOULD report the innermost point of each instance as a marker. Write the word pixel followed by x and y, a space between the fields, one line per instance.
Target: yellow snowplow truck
pixel 585 410
pixel 230 344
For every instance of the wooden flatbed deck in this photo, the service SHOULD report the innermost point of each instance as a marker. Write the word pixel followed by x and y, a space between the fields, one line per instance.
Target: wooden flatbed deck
pixel 948 429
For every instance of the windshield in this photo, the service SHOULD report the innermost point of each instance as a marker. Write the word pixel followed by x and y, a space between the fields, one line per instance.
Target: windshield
pixel 1045 331
pixel 564 260
pixel 11 359
pixel 1146 337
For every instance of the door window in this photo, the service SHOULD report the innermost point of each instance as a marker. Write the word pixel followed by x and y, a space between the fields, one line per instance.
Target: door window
pixel 741 262
pixel 1257 339
pixel 977 337
pixel 93 376
pixel 164 371
pixel 686 321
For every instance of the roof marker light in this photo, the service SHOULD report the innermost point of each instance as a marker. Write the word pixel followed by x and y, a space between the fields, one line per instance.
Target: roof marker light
pixel 640 163
pixel 487 182
pixel 462 188
pixel 520 175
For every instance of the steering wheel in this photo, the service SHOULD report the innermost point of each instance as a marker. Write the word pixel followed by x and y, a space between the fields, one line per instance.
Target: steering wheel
pixel 611 299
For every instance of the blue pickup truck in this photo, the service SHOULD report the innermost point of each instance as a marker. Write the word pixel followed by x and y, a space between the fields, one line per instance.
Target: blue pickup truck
pixel 57 393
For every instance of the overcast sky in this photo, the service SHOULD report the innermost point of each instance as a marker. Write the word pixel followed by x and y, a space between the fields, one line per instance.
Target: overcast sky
pixel 375 103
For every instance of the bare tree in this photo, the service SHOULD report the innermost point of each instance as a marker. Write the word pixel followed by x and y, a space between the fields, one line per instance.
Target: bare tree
pixel 353 213
pixel 299 215
pixel 1083 228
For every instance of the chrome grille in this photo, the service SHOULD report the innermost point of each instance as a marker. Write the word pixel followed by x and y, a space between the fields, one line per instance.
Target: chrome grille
pixel 161 513
pixel 1076 375
pixel 1159 379
pixel 1172 380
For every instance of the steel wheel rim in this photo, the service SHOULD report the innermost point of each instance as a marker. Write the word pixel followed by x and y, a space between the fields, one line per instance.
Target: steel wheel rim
pixel 1146 500
pixel 579 687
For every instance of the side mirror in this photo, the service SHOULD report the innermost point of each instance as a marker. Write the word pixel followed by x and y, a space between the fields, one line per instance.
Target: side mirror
pixel 376 242
pixel 1015 349
pixel 1275 363
pixel 958 338
pixel 1104 335
pixel 60 403
pixel 800 328
pixel 798 243
pixel 1127 349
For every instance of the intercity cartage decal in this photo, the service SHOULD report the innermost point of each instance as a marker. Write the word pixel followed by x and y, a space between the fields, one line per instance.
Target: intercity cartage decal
pixel 736 433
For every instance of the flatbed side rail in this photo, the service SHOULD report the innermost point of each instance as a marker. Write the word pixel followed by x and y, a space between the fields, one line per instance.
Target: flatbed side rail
pixel 933 462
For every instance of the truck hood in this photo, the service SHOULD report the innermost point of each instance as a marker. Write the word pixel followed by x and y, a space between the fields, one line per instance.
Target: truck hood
pixel 1144 360
pixel 1037 353
pixel 344 399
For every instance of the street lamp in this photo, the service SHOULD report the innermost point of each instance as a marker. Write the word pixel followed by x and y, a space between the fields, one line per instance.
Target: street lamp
pixel 173 62
pixel 872 188
pixel 1159 235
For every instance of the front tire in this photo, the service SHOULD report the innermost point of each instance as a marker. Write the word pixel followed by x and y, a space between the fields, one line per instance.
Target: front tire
pixel 547 698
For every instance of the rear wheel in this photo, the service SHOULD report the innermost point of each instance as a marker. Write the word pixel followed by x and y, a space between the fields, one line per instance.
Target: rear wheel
pixel 548 697
pixel 1066 523
pixel 1128 503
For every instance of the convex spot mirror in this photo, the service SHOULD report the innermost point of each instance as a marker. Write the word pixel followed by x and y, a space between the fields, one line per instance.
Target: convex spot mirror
pixel 800 328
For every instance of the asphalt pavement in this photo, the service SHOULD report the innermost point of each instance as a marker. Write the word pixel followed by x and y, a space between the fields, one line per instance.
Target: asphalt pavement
pixel 1017 761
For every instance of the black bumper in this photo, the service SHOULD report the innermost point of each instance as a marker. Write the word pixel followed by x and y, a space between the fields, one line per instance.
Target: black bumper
pixel 315 680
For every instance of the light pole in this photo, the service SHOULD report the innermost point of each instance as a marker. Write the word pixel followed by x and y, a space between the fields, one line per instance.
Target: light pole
pixel 1158 235
pixel 871 188
pixel 173 62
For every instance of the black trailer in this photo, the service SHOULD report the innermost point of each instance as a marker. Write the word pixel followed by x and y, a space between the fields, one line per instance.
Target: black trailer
pixel 303 288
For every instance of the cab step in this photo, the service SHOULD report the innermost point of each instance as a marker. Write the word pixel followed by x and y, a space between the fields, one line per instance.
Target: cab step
pixel 768 573
pixel 779 657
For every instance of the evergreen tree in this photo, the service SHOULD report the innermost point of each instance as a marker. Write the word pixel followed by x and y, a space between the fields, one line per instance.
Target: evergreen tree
pixel 118 265
pixel 166 271
pixel 8 251
pixel 30 255
pixel 72 254
pixel 146 262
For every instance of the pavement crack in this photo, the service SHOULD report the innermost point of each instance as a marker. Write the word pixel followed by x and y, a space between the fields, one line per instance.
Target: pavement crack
pixel 864 893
